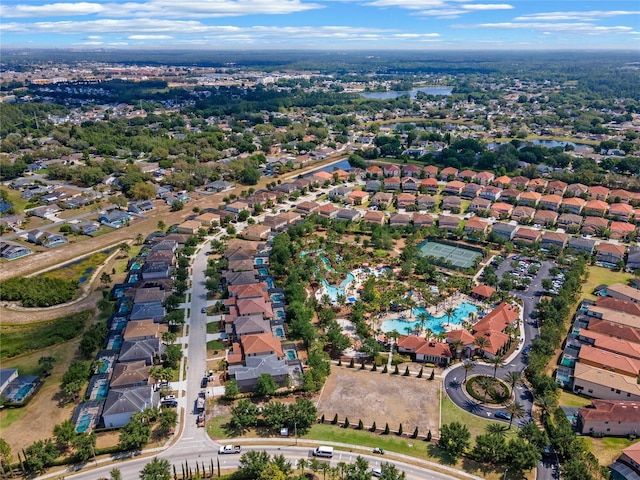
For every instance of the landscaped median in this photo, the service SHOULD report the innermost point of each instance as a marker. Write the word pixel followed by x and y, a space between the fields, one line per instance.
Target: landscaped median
pixel 401 447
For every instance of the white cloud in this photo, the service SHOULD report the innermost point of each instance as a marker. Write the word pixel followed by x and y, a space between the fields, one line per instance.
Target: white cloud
pixel 564 16
pixel 487 6
pixel 149 37
pixel 51 10
pixel 407 4
pixel 567 28
pixel 160 8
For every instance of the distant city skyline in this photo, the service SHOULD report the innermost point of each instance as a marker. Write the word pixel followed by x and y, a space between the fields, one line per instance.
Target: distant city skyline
pixel 428 25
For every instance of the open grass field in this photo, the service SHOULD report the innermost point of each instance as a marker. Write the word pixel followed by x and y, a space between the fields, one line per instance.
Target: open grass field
pixel 607 450
pixel 570 400
pixel 601 275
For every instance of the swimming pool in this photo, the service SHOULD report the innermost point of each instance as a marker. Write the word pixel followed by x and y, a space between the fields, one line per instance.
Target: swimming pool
pixel 84 422
pixel 280 314
pixel 334 291
pixel 280 332
pixel 460 314
pixel 23 392
pixel 263 271
pixel 291 354
pixel 259 261
pixel 277 297
pixel 101 390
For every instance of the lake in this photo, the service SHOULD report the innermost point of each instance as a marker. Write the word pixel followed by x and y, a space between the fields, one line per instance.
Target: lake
pixel 544 143
pixel 445 91
pixel 341 165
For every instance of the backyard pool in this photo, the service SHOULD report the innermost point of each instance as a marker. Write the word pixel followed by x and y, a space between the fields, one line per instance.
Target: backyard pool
pixel 291 354
pixel 263 271
pixel 259 261
pixel 280 314
pixel 277 297
pixel 84 422
pixel 460 314
pixel 280 332
pixel 20 393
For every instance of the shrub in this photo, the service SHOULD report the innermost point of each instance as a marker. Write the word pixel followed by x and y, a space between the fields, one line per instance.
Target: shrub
pixel 351 363
pixel 374 368
pixel 362 365
pixel 384 370
pixel 386 429
pixel 360 424
pixel 406 372
pixel 395 370
pixel 433 374
pixel 335 420
pixel 415 433
pixel 322 419
pixel 339 362
pixel 400 430
pixel 429 436
pixel 346 422
pixel 373 427
pixel 420 372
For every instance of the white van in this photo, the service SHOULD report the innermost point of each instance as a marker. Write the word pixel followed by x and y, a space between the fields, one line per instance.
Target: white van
pixel 326 452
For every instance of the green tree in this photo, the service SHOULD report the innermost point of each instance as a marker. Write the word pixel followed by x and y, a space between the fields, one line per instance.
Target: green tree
pixel 266 385
pixel 516 410
pixel 84 445
pixel 231 389
pixel 490 448
pixel 244 415
pixel 115 474
pixel 497 362
pixel 5 453
pixel 253 463
pixel 134 435
pixel 454 438
pixel 156 469
pixel 522 455
pixel 390 472
pixel 64 434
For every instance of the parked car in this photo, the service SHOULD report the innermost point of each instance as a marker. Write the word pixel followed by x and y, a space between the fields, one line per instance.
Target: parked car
pixel 204 310
pixel 204 382
pixel 503 415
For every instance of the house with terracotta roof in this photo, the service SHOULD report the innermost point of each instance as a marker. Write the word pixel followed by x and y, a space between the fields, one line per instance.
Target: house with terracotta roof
pixel 527 235
pixel 448 222
pixel 382 200
pixel 610 253
pixel 471 190
pixel 482 292
pixel 474 225
pixel 422 220
pixel 501 210
pixel 306 208
pixel 454 187
pixel 519 182
pixel 621 230
pixel 499 318
pixel 610 361
pixel 425 350
pixel 598 192
pixel 391 184
pixel 596 382
pixel 429 185
pixel 557 187
pixel 256 355
pixel 358 197
pixel 551 202
pixel 523 215
pixel 430 171
pixel 447 173
pixel 577 189
pixel 426 202
pixel 399 220
pixel 374 217
pixel 256 232
pixel 451 202
pixel 620 196
pixel 573 205
pixel 189 227
pixel 404 200
pixel 610 343
pixel 323 177
pixel 622 306
pixel 391 170
pixel 511 195
pixel 374 171
pixel 410 184
pixel 620 211
pixel 556 239
pixel 594 225
pixel 570 219
pixel 479 205
pixel 537 185
pixel 623 292
pixel 495 342
pixel 484 178
pixel 462 342
pixel 547 218
pixel 610 418
pixel 466 175
pixel 410 170
pixel 596 207
pixel 628 464
pixel 502 182
pixel 490 192
pixel 529 199
pixel 328 210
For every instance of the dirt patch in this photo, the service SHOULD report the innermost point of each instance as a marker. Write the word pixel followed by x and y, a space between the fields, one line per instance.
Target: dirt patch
pixel 374 396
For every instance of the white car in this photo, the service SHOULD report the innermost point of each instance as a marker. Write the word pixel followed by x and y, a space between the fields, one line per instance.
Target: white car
pixel 376 471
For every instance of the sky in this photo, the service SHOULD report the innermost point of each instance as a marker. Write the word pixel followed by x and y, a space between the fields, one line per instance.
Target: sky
pixel 322 24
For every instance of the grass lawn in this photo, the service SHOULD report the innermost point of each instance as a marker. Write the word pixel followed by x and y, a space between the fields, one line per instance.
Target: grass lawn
pixel 78 269
pixel 215 345
pixel 601 275
pixel 214 327
pixel 476 425
pixel 607 450
pixel 392 443
pixel 570 400
pixel 14 198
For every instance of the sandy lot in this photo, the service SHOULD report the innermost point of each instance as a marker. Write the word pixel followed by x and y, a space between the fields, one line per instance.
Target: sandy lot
pixel 374 396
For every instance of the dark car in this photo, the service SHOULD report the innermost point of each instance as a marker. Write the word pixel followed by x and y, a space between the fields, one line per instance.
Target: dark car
pixel 503 415
pixel 204 382
pixel 203 310
pixel 170 403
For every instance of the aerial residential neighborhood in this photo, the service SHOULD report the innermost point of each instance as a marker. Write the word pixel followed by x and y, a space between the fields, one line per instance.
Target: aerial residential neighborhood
pixel 266 259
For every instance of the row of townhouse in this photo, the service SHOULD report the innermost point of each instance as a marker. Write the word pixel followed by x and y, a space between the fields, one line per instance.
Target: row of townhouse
pixel 601 359
pixel 255 319
pixel 122 383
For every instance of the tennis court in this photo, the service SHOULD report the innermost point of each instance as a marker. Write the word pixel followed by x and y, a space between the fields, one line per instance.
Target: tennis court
pixel 458 256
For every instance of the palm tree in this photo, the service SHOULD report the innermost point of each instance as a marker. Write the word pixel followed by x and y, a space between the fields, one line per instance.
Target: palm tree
pixel 546 403
pixel 468 367
pixel 496 361
pixel 302 464
pixel 456 346
pixel 512 378
pixel 485 383
pixel 481 343
pixel 139 239
pixel 449 313
pixel 496 429
pixel 516 410
pixel 422 320
pixel 428 333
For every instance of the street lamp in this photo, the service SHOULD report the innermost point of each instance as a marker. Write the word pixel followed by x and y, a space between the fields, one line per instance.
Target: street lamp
pixel 295 429
pixel 505 473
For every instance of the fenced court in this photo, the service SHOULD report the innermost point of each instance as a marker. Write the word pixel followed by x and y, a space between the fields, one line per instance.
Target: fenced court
pixel 459 257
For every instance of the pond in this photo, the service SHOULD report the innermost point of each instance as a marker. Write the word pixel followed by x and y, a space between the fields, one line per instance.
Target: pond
pixel 340 165
pixel 445 91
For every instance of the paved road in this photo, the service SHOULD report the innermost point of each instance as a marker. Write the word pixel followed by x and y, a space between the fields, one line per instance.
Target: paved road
pixel 178 454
